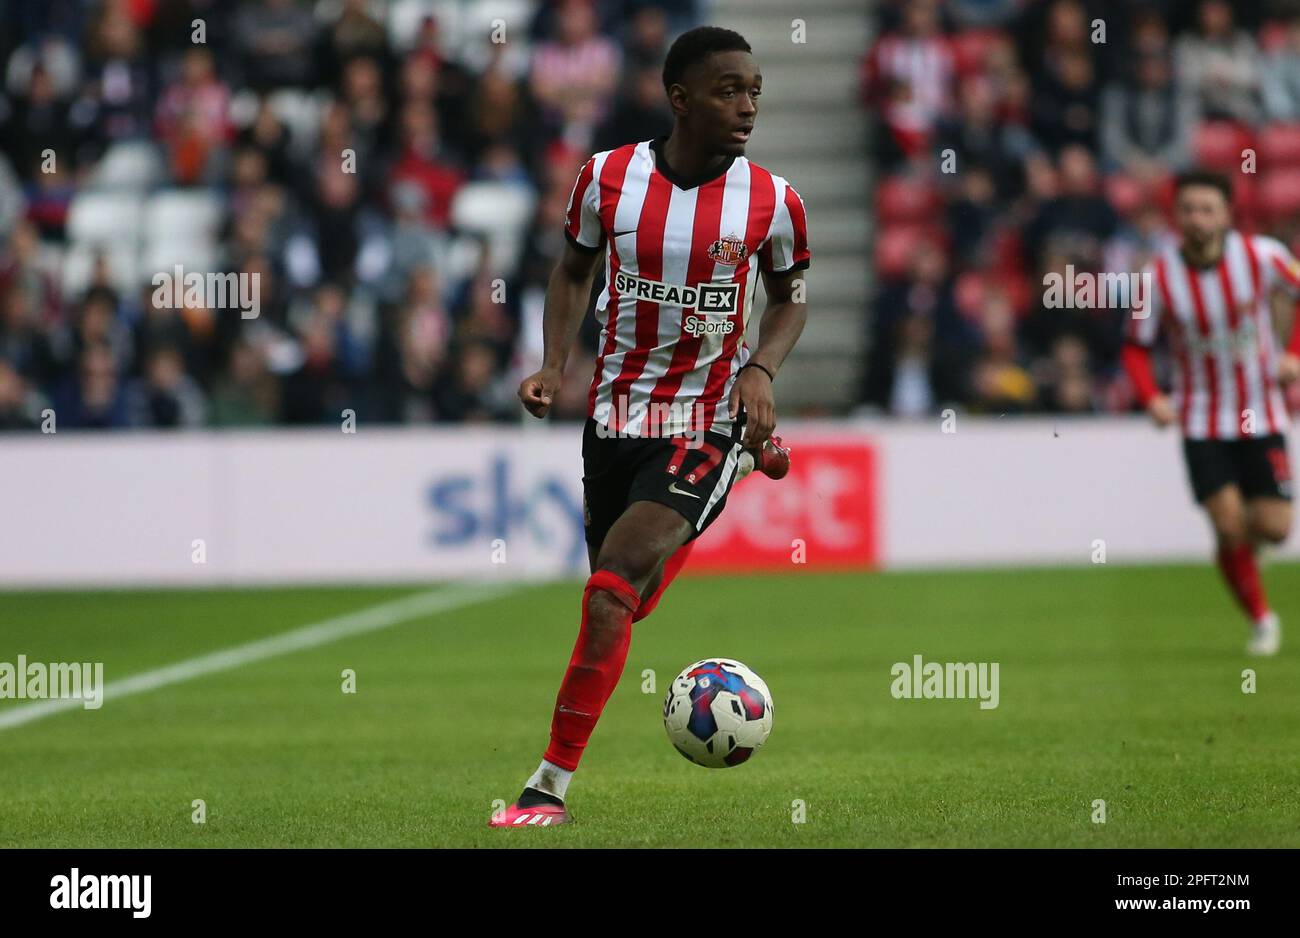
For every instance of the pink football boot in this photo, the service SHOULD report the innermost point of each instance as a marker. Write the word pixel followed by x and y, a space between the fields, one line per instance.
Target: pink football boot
pixel 542 815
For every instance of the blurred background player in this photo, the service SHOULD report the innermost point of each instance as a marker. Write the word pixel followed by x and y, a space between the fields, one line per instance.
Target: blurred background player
pixel 684 223
pixel 1211 294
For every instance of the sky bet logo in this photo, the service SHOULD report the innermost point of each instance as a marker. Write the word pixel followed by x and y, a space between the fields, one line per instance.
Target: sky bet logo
pixel 478 507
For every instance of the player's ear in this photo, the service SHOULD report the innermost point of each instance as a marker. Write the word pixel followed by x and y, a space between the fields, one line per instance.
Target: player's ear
pixel 678 99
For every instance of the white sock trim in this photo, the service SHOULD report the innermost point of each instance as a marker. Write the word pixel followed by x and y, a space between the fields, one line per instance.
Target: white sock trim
pixel 551 779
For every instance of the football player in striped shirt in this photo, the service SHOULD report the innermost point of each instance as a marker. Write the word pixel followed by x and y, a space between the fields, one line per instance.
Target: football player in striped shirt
pixel 686 226
pixel 1211 295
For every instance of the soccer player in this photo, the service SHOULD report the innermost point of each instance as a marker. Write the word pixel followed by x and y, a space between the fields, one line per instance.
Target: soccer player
pixel 686 226
pixel 1211 294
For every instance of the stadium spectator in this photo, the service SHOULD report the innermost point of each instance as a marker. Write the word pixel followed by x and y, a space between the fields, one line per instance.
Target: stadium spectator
pixel 980 137
pixel 423 162
pixel 20 403
pixel 640 113
pixel 246 394
pixel 274 40
pixel 1147 125
pixel 1066 92
pixel 1078 216
pixel 472 391
pixel 121 85
pixel 920 345
pixel 192 120
pixel 1281 73
pixel 92 398
pixel 574 76
pixel 907 77
pixel 1219 64
pixel 164 396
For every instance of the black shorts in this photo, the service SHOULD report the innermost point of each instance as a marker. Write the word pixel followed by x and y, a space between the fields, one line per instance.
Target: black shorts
pixel 1258 466
pixel 690 477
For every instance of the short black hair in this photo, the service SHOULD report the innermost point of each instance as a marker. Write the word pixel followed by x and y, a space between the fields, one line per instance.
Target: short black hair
pixel 693 45
pixel 1204 177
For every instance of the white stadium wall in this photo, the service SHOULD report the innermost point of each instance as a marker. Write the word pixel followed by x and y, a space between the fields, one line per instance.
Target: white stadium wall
pixel 432 504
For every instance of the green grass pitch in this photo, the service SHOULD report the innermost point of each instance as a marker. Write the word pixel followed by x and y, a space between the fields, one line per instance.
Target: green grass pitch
pixel 1117 683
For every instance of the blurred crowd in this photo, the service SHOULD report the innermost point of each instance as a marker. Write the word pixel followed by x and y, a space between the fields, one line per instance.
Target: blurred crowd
pixel 1016 139
pixel 359 157
pixel 396 180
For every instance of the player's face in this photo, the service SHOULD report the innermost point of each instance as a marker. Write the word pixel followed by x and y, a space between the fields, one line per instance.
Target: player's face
pixel 1202 214
pixel 722 101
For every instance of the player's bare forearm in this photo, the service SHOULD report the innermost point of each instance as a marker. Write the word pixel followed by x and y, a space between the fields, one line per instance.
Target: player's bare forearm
pixel 779 329
pixel 566 303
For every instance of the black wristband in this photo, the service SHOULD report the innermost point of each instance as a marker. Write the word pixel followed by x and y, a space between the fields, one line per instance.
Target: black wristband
pixel 770 377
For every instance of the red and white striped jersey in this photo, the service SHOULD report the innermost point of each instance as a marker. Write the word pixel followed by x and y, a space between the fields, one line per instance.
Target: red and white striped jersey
pixel 680 280
pixel 1220 328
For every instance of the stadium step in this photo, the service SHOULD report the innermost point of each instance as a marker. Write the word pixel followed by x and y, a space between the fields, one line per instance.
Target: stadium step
pixel 832 331
pixel 814 132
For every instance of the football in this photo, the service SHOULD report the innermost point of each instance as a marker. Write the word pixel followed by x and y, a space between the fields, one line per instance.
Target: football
pixel 718 713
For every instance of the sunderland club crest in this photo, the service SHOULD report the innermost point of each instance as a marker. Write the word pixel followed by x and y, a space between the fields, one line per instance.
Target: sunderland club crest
pixel 730 250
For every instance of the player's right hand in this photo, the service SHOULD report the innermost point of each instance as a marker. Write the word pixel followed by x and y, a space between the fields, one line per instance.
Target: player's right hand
pixel 1161 410
pixel 539 389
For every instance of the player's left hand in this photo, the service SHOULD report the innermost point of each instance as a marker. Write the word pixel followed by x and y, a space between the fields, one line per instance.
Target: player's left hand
pixel 1288 369
pixel 753 390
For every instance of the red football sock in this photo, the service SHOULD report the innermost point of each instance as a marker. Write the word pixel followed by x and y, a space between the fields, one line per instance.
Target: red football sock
pixel 672 566
pixel 1242 573
pixel 593 672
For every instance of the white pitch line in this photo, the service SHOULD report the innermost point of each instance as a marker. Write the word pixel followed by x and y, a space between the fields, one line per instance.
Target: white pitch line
pixel 308 636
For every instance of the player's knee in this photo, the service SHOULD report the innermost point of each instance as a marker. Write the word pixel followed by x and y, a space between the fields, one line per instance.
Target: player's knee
pixel 1230 527
pixel 1272 528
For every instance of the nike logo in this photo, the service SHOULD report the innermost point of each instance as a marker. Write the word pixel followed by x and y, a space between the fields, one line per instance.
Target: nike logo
pixel 676 491
pixel 619 234
pixel 563 709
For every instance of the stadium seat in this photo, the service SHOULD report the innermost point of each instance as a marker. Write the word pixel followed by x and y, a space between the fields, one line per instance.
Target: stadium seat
pixel 477 18
pixel 1278 194
pixel 1219 145
pixel 1245 198
pixel 895 245
pixel 79 265
pixel 500 212
pixel 1272 36
pixel 129 164
pixel 183 215
pixel 461 259
pixel 1279 146
pixel 163 256
pixel 300 113
pixel 474 33
pixel 105 218
pixel 901 200
pixel 1124 193
pixel 971 49
pixel 405 17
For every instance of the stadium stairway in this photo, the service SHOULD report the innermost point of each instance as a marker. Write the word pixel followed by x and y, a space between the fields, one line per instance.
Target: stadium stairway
pixel 812 131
